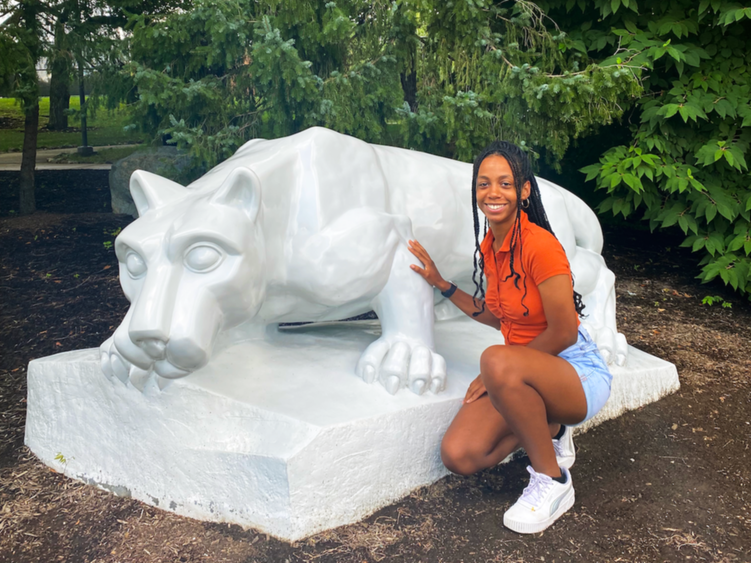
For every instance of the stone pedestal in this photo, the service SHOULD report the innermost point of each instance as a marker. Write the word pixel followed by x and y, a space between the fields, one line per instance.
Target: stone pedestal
pixel 275 434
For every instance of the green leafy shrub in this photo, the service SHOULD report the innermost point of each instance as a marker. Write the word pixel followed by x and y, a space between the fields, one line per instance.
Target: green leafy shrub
pixel 687 163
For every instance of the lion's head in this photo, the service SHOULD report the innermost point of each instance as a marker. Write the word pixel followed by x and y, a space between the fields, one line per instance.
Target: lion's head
pixel 191 265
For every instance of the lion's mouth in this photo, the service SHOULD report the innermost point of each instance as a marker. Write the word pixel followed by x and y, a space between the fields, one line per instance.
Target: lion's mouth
pixel 170 357
pixel 156 349
pixel 176 358
pixel 164 368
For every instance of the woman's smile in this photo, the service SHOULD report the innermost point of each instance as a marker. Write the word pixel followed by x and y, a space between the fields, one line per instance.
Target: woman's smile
pixel 495 207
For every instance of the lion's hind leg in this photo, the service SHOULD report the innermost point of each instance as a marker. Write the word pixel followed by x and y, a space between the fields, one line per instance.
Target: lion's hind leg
pixel 596 283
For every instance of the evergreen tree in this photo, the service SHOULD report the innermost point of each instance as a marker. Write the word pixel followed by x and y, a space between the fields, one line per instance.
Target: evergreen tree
pixel 21 47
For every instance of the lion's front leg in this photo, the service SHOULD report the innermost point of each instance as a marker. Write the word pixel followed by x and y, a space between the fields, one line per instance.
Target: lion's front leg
pixel 404 355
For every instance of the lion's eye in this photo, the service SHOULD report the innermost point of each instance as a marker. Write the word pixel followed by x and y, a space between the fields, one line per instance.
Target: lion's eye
pixel 203 258
pixel 135 264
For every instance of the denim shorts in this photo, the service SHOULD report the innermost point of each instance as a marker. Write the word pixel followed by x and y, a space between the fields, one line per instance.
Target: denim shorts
pixel 592 369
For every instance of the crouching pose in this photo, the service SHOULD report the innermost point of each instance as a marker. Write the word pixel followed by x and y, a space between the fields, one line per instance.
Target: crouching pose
pixel 549 374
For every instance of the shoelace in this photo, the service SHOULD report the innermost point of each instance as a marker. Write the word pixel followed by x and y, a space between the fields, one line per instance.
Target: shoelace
pixel 537 488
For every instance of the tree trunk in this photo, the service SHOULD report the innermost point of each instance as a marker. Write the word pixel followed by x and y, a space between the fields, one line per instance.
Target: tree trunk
pixel 28 160
pixel 409 85
pixel 59 83
pixel 408 77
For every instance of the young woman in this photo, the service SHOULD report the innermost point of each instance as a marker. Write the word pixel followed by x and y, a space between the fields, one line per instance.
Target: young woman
pixel 549 374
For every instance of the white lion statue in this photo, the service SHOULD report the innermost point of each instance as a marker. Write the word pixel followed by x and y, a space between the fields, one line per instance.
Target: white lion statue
pixel 314 227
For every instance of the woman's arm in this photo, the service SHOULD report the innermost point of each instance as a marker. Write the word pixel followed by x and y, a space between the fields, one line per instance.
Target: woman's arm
pixel 560 313
pixel 464 301
pixel 469 306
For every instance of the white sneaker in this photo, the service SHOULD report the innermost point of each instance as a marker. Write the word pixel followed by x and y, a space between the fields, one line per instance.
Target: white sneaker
pixel 565 454
pixel 542 503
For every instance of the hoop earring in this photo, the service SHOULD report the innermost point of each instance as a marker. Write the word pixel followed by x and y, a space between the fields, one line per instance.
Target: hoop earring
pixel 527 202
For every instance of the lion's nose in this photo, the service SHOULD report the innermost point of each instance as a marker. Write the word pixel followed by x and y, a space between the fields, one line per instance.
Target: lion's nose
pixel 153 308
pixel 187 353
pixel 154 347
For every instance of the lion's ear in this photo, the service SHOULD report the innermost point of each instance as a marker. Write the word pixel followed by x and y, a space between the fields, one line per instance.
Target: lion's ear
pixel 151 191
pixel 241 190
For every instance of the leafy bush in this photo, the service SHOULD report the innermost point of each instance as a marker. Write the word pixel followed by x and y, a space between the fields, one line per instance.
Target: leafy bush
pixel 687 163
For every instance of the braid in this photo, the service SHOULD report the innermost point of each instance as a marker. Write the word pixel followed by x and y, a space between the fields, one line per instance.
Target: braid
pixel 477 258
pixel 521 168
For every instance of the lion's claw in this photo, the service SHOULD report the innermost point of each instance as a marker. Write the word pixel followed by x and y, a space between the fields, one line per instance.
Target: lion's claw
pixel 402 364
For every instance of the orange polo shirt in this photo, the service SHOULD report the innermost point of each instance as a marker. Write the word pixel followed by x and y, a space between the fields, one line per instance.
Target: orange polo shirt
pixel 542 257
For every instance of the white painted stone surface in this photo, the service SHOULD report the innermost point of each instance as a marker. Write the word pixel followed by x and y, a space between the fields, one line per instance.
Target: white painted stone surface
pixel 275 433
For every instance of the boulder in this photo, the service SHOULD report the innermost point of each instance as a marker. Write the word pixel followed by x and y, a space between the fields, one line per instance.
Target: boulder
pixel 165 161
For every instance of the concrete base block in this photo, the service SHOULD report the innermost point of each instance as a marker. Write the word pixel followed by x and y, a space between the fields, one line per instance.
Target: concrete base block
pixel 275 434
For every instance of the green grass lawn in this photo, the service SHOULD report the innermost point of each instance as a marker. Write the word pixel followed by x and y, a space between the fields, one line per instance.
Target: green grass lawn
pixel 104 128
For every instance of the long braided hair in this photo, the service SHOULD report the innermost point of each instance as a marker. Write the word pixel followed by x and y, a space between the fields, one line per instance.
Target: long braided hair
pixel 521 168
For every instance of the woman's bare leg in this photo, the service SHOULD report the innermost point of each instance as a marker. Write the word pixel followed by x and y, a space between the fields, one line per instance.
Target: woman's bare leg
pixel 479 438
pixel 530 389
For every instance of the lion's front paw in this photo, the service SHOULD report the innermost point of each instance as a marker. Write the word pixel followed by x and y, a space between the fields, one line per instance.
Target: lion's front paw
pixel 612 345
pixel 397 363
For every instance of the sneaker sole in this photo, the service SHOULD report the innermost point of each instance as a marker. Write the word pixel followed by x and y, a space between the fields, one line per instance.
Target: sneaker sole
pixel 535 527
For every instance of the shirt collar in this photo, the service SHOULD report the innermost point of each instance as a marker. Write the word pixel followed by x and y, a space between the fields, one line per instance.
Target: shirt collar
pixel 487 244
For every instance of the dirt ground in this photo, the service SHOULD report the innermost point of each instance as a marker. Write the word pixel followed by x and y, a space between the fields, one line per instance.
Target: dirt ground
pixel 668 482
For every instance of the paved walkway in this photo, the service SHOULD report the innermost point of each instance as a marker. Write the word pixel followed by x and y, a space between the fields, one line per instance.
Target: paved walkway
pixel 12 160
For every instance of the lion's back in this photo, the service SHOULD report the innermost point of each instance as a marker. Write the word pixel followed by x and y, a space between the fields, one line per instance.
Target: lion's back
pixel 322 171
pixel 317 175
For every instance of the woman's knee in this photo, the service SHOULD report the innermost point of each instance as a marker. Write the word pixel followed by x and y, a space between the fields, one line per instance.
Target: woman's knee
pixel 498 368
pixel 457 457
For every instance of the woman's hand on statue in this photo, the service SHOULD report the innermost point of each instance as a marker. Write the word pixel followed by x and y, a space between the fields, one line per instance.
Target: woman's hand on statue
pixel 475 391
pixel 429 271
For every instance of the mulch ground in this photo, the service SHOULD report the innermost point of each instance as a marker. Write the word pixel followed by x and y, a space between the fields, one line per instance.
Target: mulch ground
pixel 668 482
